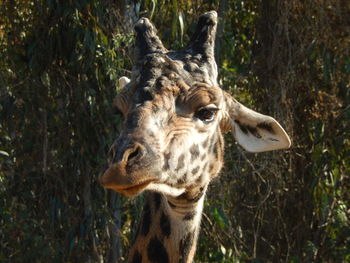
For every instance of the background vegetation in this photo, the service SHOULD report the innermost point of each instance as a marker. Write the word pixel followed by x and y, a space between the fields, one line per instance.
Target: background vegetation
pixel 59 63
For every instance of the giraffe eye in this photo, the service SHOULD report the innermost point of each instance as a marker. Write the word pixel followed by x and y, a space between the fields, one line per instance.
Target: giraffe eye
pixel 118 112
pixel 206 114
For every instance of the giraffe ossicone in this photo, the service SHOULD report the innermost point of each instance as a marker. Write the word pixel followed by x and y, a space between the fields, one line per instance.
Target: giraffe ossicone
pixel 171 143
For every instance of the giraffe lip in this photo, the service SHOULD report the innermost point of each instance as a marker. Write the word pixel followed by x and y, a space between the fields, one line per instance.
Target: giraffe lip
pixel 139 185
pixel 130 189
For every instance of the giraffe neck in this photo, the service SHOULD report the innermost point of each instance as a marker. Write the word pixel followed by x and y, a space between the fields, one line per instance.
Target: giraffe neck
pixel 169 228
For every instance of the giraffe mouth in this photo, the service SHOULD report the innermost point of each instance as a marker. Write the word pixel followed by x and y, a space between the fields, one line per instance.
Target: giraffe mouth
pixel 128 183
pixel 128 190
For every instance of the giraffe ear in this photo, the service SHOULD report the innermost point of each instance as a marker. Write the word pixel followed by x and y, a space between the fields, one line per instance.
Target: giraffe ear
pixel 121 101
pixel 254 131
pixel 123 81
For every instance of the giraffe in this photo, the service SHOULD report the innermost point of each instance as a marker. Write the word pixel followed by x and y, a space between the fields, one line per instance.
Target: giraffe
pixel 171 144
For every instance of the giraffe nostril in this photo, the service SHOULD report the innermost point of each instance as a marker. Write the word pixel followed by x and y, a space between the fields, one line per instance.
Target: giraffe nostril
pixel 132 153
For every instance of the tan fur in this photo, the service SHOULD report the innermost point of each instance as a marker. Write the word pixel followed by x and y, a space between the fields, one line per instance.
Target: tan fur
pixel 172 143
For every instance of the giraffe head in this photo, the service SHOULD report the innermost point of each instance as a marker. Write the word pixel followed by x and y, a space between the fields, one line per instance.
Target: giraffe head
pixel 174 116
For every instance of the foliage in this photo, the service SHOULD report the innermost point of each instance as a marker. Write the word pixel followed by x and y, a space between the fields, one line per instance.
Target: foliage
pixel 59 63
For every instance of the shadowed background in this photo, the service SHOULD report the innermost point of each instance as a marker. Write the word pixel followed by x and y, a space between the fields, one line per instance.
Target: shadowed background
pixel 59 66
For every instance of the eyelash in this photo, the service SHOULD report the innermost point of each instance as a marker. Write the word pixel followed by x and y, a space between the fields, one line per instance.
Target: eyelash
pixel 206 114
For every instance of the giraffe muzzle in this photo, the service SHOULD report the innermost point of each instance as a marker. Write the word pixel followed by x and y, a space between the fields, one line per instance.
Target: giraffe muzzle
pixel 124 173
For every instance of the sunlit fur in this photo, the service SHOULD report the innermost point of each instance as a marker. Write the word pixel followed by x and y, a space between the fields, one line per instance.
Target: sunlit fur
pixel 171 142
pixel 168 125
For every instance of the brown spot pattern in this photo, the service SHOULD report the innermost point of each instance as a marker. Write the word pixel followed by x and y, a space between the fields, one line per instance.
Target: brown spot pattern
pixel 166 165
pixel 137 258
pixel 185 247
pixel 146 220
pixel 189 216
pixel 157 201
pixel 194 150
pixel 165 225
pixel 195 170
pixel 205 144
pixel 156 252
pixel 180 162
